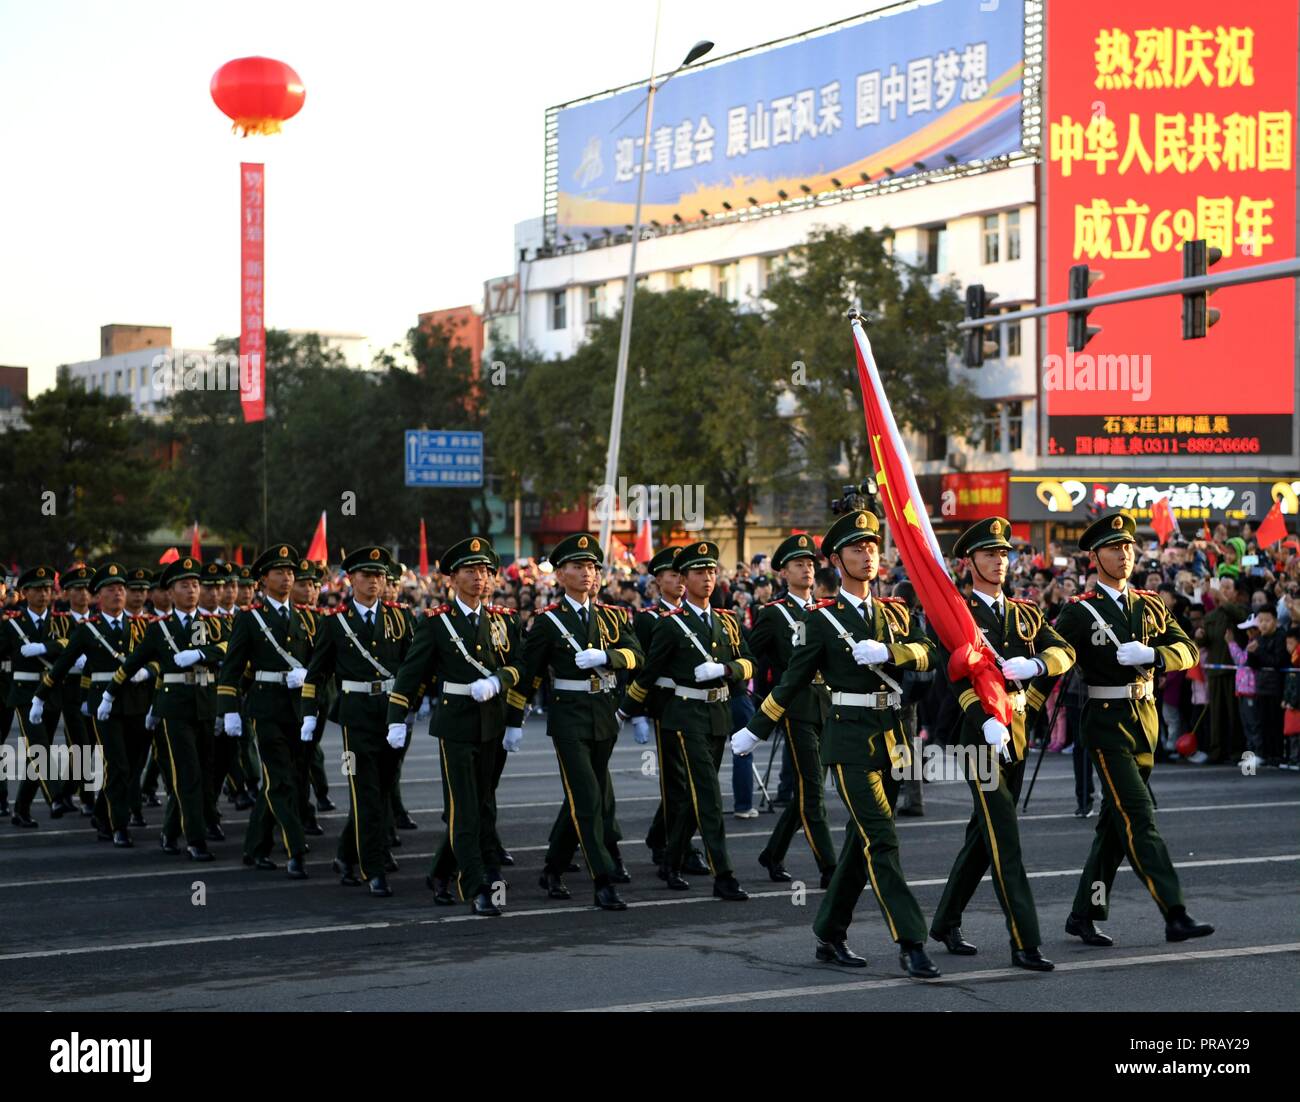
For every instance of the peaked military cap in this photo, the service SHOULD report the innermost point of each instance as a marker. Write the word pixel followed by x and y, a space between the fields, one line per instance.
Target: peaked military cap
pixel 368 560
pixel 177 569
pixel 1112 528
pixel 469 552
pixel 139 577
pixel 76 577
pixel 107 574
pixel 278 554
pixel 700 553
pixel 213 573
pixel 579 547
pixel 983 535
pixel 36 576
pixel 663 559
pixel 801 546
pixel 244 575
pixel 861 524
pixel 308 571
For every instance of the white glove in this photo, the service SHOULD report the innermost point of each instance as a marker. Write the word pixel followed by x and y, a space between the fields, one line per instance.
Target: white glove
pixel 294 678
pixel 707 671
pixel 142 674
pixel 514 736
pixel 1135 654
pixel 485 688
pixel 870 652
pixel 32 650
pixel 187 658
pixel 150 720
pixel 743 742
pixel 996 733
pixel 36 711
pixel 79 664
pixel 590 658
pixel 397 735
pixel 85 708
pixel 641 730
pixel 232 724
pixel 1020 669
pixel 425 709
pixel 105 708
pixel 308 728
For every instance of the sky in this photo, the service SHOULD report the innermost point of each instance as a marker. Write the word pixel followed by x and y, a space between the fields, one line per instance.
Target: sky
pixel 394 191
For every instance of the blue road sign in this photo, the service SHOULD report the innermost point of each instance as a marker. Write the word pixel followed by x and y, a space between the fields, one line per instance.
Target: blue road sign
pixel 444 457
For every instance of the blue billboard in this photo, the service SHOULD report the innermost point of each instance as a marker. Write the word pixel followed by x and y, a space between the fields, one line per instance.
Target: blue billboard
pixel 934 85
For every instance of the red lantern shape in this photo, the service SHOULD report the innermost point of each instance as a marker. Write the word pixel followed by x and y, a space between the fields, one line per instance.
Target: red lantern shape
pixel 258 93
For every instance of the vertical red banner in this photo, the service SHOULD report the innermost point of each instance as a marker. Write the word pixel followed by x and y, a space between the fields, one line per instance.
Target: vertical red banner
pixel 252 327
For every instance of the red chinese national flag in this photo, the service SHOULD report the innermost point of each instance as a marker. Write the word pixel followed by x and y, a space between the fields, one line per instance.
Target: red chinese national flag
pixel 644 549
pixel 196 546
pixel 170 555
pixel 319 550
pixel 424 551
pixel 1162 520
pixel 1273 527
pixel 905 512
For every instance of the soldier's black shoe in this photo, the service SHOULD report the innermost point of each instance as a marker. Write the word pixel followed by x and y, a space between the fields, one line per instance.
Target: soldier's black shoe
pixel 324 803
pixel 296 868
pixel 215 834
pixel 620 875
pixel 347 873
pixel 1180 926
pixel 261 863
pixel 390 863
pixel 916 963
pixel 22 819
pixel 87 810
pixel 728 887
pixel 379 886
pixel 1031 959
pixel 673 878
pixel 1084 928
pixel 954 942
pixel 775 870
pixel 151 800
pixel 122 839
pixel 243 801
pixel 483 907
pixel 553 886
pixel 826 878
pixel 441 891
pixel 59 808
pixel 1083 811
pixel 168 847
pixel 838 952
pixel 695 865
pixel 405 822
pixel 607 899
pixel 199 853
pixel 507 858
pixel 103 835
pixel 137 820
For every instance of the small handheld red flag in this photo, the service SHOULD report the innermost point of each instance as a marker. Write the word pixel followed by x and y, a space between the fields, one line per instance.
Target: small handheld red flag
pixel 1162 520
pixel 424 551
pixel 196 545
pixel 644 549
pixel 170 555
pixel 319 550
pixel 1273 527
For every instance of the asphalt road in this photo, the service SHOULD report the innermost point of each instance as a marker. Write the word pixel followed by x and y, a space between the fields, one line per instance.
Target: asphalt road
pixel 92 928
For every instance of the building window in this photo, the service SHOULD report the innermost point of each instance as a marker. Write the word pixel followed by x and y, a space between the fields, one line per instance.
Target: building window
pixel 990 238
pixel 679 278
pixel 991 429
pixel 559 313
pixel 726 281
pixel 1015 425
pixel 1013 338
pixel 936 445
pixel 1013 235
pixel 593 302
pixel 769 267
pixel 936 250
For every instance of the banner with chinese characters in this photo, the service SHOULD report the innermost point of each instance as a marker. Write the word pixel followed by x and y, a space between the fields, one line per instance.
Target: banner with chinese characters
pixel 252 322
pixel 1068 496
pixel 1171 121
pixel 936 85
pixel 975 495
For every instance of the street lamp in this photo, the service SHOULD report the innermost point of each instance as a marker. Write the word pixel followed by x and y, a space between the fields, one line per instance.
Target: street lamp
pixel 629 291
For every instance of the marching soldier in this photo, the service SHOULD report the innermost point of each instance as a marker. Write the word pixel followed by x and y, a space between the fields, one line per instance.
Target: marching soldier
pixel 361 647
pixel 138 721
pixel 1122 638
pixel 216 751
pixel 311 765
pixel 701 649
pixel 271 639
pixel 75 583
pixel 6 680
pixel 34 637
pixel 779 628
pixel 397 813
pixel 579 644
pixel 472 649
pixel 860 644
pixel 245 586
pixel 1031 656
pixel 96 647
pixel 183 650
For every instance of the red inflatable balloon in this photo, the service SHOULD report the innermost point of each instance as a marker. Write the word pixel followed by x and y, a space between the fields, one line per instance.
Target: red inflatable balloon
pixel 258 93
pixel 1186 744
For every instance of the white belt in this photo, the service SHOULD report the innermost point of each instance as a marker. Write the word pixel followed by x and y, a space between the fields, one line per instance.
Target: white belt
pixel 455 688
pixel 598 683
pixel 712 696
pixel 96 678
pixel 22 675
pixel 189 677
pixel 370 688
pixel 665 683
pixel 275 677
pixel 1017 702
pixel 1138 690
pixel 867 700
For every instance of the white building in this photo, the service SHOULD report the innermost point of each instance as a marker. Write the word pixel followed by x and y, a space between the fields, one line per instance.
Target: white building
pixel 143 375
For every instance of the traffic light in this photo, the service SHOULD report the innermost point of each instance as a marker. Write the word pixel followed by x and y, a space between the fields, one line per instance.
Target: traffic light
pixel 1197 318
pixel 978 342
pixel 1078 331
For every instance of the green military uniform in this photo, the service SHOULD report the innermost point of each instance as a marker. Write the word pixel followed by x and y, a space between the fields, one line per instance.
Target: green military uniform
pixel 48 635
pixel 396 810
pixel 72 697
pixel 97 646
pixel 464 651
pixel 697 717
pixel 1012 629
pixel 136 698
pixel 306 751
pixel 360 650
pixel 184 651
pixel 317 780
pixel 250 766
pixel 861 743
pixel 1120 726
pixel 779 628
pixel 216 749
pixel 270 642
pixel 582 720
pixel 6 712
